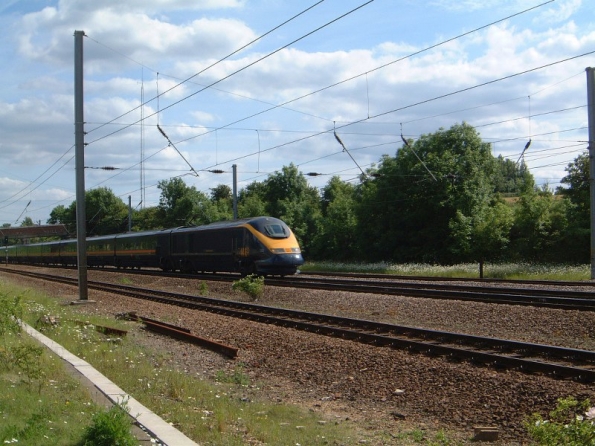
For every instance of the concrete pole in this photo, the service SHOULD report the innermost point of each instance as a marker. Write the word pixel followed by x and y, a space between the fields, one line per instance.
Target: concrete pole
pixel 129 213
pixel 591 113
pixel 79 138
pixel 235 191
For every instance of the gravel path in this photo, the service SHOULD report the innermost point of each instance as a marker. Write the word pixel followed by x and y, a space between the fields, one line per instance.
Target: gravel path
pixel 379 388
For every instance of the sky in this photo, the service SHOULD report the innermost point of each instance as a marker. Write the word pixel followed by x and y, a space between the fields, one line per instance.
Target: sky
pixel 263 84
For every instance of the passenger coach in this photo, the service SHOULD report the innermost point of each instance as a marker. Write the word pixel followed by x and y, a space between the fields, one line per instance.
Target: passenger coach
pixel 261 245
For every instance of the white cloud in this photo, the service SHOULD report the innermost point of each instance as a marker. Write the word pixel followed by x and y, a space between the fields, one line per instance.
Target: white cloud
pixel 561 11
pixel 178 39
pixel 46 36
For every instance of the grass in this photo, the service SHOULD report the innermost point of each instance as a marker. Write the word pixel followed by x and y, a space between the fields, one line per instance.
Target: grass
pixel 54 409
pixel 40 402
pixel 512 271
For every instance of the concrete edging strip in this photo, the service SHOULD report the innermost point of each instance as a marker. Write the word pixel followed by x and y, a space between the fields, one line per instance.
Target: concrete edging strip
pixel 158 427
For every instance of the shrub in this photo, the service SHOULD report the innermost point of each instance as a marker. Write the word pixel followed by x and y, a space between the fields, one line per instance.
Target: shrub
pixel 11 311
pixel 253 285
pixel 110 428
pixel 570 424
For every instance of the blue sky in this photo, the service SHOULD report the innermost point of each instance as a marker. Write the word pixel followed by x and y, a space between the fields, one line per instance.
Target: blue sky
pixel 369 69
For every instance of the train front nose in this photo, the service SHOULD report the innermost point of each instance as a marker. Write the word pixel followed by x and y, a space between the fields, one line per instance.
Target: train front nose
pixel 281 264
pixel 288 260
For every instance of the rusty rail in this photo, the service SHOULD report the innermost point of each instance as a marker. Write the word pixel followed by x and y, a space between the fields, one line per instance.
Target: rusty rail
pixel 184 334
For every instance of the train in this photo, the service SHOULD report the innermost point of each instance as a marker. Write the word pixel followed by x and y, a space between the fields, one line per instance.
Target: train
pixel 259 245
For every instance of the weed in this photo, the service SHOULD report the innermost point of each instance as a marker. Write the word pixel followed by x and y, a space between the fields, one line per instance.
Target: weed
pixel 252 285
pixel 203 288
pixel 11 311
pixel 27 358
pixel 111 427
pixel 126 281
pixel 570 423
pixel 23 356
pixel 236 377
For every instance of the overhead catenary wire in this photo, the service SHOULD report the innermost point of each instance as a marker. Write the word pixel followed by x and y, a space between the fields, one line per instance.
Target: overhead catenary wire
pixel 283 104
pixel 524 150
pixel 179 153
pixel 21 214
pixel 408 106
pixel 259 148
pixel 237 71
pixel 241 69
pixel 351 156
pixel 425 101
pixel 208 67
pixel 38 177
pixel 418 52
pixel 417 156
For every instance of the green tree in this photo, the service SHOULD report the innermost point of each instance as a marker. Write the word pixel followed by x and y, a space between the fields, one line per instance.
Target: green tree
pixel 577 237
pixel 146 219
pixel 336 238
pixel 251 200
pixel 251 206
pixel 483 237
pixel 405 213
pixel 106 213
pixel 539 226
pixel 511 178
pixel 181 205
pixel 221 192
pixel 176 203
pixel 62 215
pixel 27 221
pixel 577 179
pixel 222 201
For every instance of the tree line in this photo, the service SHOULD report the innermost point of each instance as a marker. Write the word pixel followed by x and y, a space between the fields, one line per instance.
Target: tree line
pixel 443 199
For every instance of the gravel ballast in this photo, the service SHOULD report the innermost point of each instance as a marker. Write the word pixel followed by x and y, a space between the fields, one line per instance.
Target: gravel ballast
pixel 381 389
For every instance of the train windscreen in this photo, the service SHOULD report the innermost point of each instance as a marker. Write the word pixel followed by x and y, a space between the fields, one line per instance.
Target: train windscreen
pixel 271 227
pixel 276 231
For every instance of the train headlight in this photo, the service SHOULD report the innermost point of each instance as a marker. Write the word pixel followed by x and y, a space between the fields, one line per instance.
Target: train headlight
pixel 278 250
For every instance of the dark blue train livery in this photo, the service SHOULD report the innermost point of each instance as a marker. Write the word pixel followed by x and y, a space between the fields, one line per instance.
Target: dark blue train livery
pixel 260 245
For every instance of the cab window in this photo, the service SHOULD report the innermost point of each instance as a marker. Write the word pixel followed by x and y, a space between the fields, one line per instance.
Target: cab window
pixel 276 231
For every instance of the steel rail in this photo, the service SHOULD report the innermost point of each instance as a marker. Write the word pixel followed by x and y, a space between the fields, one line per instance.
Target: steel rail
pixel 527 357
pixel 415 287
pixel 562 299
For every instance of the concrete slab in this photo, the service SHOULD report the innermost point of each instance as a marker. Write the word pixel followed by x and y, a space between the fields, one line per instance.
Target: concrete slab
pixel 155 425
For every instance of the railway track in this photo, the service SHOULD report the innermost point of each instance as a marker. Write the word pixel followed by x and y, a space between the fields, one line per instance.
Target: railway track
pixel 556 295
pixel 551 298
pixel 527 357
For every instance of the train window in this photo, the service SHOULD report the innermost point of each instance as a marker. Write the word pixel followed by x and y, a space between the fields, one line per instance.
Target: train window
pixel 276 231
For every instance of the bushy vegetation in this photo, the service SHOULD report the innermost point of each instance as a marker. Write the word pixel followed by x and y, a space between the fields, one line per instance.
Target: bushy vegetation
pixel 16 354
pixel 110 428
pixel 571 423
pixel 461 204
pixel 252 285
